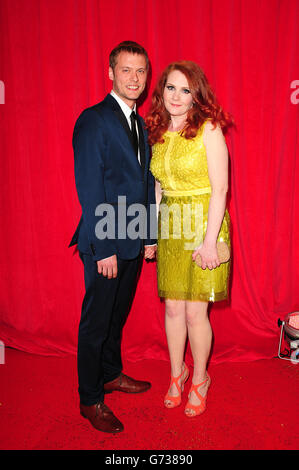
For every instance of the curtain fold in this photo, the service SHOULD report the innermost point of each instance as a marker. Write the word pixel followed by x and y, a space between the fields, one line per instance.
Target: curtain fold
pixel 54 63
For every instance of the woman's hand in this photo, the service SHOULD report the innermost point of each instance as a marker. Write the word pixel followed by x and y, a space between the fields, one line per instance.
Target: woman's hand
pixel 150 251
pixel 208 254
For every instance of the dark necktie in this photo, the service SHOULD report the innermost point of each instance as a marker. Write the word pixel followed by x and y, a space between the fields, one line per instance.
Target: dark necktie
pixel 134 132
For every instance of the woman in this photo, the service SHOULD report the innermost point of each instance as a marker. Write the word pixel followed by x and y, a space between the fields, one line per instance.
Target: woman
pixel 190 164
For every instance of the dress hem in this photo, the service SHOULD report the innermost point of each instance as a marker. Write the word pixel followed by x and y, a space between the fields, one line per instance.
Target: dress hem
pixel 186 296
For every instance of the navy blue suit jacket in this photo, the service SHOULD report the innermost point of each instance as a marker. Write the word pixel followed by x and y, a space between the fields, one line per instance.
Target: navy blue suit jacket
pixel 106 167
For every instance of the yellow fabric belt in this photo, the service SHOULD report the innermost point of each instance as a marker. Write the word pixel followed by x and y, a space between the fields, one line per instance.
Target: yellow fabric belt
pixel 191 192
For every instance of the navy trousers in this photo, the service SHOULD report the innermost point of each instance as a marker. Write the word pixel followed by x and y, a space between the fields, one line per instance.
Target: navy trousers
pixel 105 307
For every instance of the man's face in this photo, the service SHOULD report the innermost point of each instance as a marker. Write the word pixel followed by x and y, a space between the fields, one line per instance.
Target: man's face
pixel 129 76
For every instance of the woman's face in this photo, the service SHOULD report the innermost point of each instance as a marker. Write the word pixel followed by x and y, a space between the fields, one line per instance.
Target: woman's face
pixel 177 96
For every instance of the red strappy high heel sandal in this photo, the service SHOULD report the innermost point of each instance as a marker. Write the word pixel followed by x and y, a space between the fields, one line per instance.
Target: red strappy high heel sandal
pixel 197 409
pixel 170 401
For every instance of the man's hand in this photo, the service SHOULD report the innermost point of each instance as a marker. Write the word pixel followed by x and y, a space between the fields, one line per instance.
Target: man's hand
pixel 108 267
pixel 150 251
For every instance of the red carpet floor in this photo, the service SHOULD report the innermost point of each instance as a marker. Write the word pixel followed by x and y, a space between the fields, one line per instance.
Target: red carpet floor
pixel 250 406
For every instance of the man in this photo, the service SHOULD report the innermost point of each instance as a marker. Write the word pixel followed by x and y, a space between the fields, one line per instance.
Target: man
pixel 111 165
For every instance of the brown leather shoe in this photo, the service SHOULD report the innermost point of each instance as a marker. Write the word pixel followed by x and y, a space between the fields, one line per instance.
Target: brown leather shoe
pixel 126 384
pixel 101 417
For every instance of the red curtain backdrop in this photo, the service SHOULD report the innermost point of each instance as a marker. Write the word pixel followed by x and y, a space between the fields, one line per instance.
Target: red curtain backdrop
pixel 53 64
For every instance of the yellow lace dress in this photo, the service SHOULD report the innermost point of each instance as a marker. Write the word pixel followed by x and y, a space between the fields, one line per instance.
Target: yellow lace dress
pixel 180 165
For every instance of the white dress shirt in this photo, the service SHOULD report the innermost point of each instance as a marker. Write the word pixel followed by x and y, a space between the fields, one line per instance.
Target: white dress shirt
pixel 127 112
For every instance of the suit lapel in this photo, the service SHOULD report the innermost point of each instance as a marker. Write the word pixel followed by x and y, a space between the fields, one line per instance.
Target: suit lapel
pixel 124 123
pixel 121 117
pixel 141 144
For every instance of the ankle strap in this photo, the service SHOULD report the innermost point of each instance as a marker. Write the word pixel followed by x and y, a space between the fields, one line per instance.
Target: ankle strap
pixel 175 380
pixel 194 388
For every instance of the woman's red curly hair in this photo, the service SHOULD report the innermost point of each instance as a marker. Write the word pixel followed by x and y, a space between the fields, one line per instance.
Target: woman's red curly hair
pixel 205 104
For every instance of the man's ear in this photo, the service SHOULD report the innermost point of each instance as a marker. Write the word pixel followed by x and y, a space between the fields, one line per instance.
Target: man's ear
pixel 111 74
